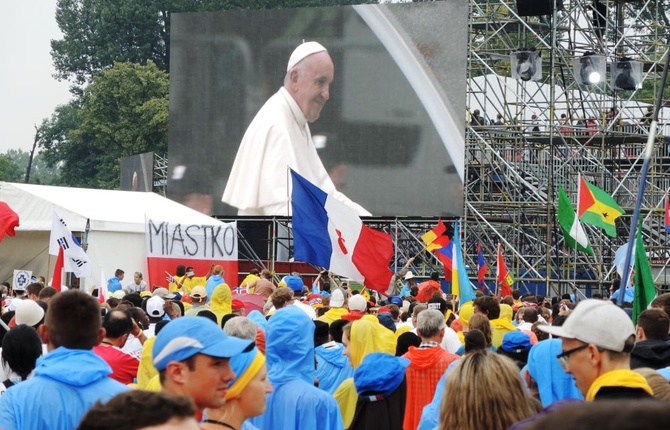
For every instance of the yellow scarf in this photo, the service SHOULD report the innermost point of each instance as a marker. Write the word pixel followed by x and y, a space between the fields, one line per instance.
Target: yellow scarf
pixel 618 378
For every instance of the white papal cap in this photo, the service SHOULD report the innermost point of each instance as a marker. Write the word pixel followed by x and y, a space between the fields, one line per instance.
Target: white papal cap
pixel 303 51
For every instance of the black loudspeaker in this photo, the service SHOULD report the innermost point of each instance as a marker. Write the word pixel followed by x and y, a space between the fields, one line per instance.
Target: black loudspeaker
pixel 537 7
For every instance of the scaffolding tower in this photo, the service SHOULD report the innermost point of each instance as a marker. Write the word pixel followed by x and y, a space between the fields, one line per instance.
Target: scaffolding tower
pixel 514 169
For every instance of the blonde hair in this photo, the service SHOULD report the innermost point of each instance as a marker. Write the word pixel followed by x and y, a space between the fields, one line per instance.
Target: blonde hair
pixel 484 391
pixel 659 385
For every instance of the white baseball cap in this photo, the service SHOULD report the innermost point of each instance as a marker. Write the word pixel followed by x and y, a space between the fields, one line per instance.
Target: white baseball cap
pixel 155 307
pixel 28 312
pixel 303 51
pixel 358 303
pixel 337 298
pixel 597 322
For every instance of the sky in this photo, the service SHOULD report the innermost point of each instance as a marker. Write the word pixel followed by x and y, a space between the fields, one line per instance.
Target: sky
pixel 28 91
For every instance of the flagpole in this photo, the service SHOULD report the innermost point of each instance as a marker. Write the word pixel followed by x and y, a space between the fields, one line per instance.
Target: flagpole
pixel 574 277
pixel 643 179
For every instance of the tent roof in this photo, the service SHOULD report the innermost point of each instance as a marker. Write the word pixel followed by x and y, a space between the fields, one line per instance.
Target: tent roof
pixel 107 210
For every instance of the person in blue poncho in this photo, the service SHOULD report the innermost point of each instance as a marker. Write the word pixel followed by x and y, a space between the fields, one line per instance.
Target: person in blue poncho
pixel 295 403
pixel 70 378
pixel 333 366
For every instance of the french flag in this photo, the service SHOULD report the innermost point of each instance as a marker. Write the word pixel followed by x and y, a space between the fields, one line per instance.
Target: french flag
pixel 327 233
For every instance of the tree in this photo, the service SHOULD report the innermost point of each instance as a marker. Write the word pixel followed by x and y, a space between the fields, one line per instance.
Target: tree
pixel 41 172
pixel 9 170
pixel 123 112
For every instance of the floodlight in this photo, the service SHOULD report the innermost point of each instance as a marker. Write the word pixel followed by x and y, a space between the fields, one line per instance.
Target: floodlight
pixel 626 74
pixel 526 65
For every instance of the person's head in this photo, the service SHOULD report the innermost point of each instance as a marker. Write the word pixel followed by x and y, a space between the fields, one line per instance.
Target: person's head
pixel 238 308
pixel 72 321
pixel 420 307
pixel 117 325
pixel 358 303
pixel 29 312
pixel 266 274
pixel 140 317
pixel 33 290
pixel 335 330
pixel 281 297
pixel 481 323
pixel 530 315
pixel 491 387
pixel 662 302
pixel 308 78
pixel 47 293
pixel 119 274
pixel 198 296
pixel 137 277
pixel 338 298
pixel 21 347
pixel 431 325
pixel 597 337
pixel 365 336
pixel 154 307
pixel 190 272
pixel 192 358
pixel 241 327
pixel 141 410
pixel 652 324
pixel 246 394
pixel 180 270
pixel 516 345
pixel 474 340
pixel 435 276
pixel 217 269
pixel 295 284
pixel 488 306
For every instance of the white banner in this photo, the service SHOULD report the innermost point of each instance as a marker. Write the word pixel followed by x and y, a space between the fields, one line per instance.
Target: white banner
pixel 191 241
pixel 21 279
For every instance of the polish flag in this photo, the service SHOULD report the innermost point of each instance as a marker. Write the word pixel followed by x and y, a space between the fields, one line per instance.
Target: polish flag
pixel 329 234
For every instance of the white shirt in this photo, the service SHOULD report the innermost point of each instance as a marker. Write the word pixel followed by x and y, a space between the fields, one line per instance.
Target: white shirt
pixel 450 341
pixel 305 308
pixel 134 288
pixel 277 138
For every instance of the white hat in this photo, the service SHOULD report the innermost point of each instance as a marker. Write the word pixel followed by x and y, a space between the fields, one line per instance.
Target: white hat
pixel 337 298
pixel 597 322
pixel 119 294
pixel 155 307
pixel 358 303
pixel 303 51
pixel 163 292
pixel 28 312
pixel 409 275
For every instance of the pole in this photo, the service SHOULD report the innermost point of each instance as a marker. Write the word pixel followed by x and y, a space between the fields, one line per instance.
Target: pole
pixel 643 179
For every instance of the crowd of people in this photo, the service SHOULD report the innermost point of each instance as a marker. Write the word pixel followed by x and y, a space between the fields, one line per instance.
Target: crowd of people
pixel 326 356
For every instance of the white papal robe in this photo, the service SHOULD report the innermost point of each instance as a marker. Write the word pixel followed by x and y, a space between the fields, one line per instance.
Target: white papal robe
pixel 277 138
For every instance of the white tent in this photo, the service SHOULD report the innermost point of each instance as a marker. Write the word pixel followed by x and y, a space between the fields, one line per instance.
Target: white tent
pixel 111 223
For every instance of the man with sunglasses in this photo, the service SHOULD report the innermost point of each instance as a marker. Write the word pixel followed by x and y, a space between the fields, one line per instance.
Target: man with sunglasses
pixel 598 338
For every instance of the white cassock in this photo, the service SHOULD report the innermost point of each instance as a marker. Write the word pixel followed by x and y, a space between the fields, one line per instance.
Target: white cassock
pixel 277 138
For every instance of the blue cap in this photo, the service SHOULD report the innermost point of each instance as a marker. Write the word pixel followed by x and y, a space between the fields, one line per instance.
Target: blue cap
pixel 516 341
pixel 395 300
pixel 185 337
pixel 294 283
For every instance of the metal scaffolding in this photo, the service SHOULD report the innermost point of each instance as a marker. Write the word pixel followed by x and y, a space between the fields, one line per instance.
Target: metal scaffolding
pixel 513 169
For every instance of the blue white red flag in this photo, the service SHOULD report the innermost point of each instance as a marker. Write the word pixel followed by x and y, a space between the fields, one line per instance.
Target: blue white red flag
pixel 327 233
pixel 445 255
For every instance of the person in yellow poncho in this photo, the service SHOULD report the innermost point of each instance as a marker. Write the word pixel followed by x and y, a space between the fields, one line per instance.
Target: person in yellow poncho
pixel 464 313
pixel 254 275
pixel 361 338
pixel 221 302
pixel 490 307
pixel 338 308
pixel 185 283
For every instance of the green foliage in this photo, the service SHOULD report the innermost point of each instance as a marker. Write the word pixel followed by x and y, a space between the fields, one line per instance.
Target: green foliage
pixel 40 172
pixel 9 170
pixel 123 112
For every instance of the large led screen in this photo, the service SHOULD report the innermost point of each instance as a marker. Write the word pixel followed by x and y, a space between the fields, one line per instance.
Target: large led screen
pixel 389 139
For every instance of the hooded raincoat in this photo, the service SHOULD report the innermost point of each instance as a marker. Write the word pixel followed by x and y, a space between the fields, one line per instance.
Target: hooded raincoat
pixel 221 302
pixel 295 403
pixel 67 383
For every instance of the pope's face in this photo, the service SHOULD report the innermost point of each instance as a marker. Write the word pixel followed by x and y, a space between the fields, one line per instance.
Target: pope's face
pixel 311 85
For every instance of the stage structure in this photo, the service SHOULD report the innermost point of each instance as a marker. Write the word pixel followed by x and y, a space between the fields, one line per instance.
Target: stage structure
pixel 570 121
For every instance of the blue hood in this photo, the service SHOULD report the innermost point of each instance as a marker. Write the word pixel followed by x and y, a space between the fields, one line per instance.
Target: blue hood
pixel 334 355
pixel 369 380
pixel 552 382
pixel 259 319
pixel 57 365
pixel 289 346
